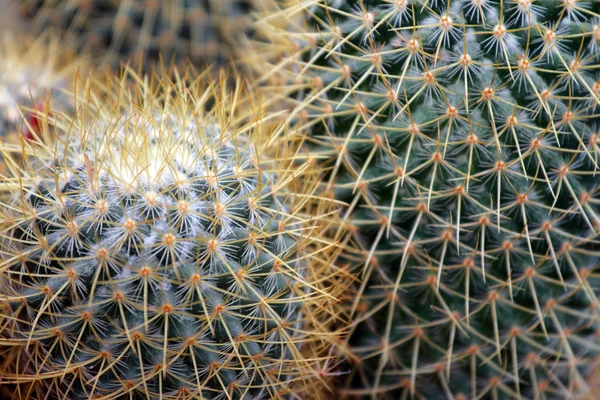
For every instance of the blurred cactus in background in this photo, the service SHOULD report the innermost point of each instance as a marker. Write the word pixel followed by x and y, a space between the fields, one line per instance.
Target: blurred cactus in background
pixel 33 71
pixel 30 68
pixel 464 135
pixel 158 250
pixel 202 31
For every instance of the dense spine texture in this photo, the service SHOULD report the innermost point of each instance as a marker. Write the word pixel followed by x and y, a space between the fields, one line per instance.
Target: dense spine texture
pixel 156 249
pixel 464 137
pixel 202 31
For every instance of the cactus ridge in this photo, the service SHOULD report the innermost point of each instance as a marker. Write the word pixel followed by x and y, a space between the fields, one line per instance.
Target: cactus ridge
pixel 464 136
pixel 152 251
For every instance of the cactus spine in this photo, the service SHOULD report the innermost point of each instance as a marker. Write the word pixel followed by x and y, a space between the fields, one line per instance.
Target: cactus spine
pixel 464 135
pixel 155 250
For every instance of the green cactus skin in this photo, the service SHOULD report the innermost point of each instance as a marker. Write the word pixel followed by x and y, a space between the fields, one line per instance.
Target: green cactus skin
pixel 202 31
pixel 464 137
pixel 150 253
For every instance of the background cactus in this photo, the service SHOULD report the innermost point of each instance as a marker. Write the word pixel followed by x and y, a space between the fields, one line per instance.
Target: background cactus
pixel 201 30
pixel 32 69
pixel 155 250
pixel 464 137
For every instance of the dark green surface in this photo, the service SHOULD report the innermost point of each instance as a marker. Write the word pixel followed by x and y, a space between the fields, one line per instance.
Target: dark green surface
pixel 457 171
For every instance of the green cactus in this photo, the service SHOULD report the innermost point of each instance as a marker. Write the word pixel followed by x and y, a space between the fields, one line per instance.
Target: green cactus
pixel 202 31
pixel 155 251
pixel 464 135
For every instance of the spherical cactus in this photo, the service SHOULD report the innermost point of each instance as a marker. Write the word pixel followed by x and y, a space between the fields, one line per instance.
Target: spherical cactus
pixel 464 137
pixel 157 250
pixel 202 31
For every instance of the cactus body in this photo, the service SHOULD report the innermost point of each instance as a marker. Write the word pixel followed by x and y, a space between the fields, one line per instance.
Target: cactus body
pixel 198 30
pixel 153 252
pixel 464 137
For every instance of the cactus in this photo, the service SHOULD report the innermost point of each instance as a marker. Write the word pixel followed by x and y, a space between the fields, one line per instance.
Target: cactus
pixel 464 137
pixel 158 250
pixel 201 30
pixel 30 68
pixel 9 359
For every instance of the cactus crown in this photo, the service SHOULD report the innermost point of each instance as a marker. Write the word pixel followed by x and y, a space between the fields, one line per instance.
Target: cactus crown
pixel 153 251
pixel 464 136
